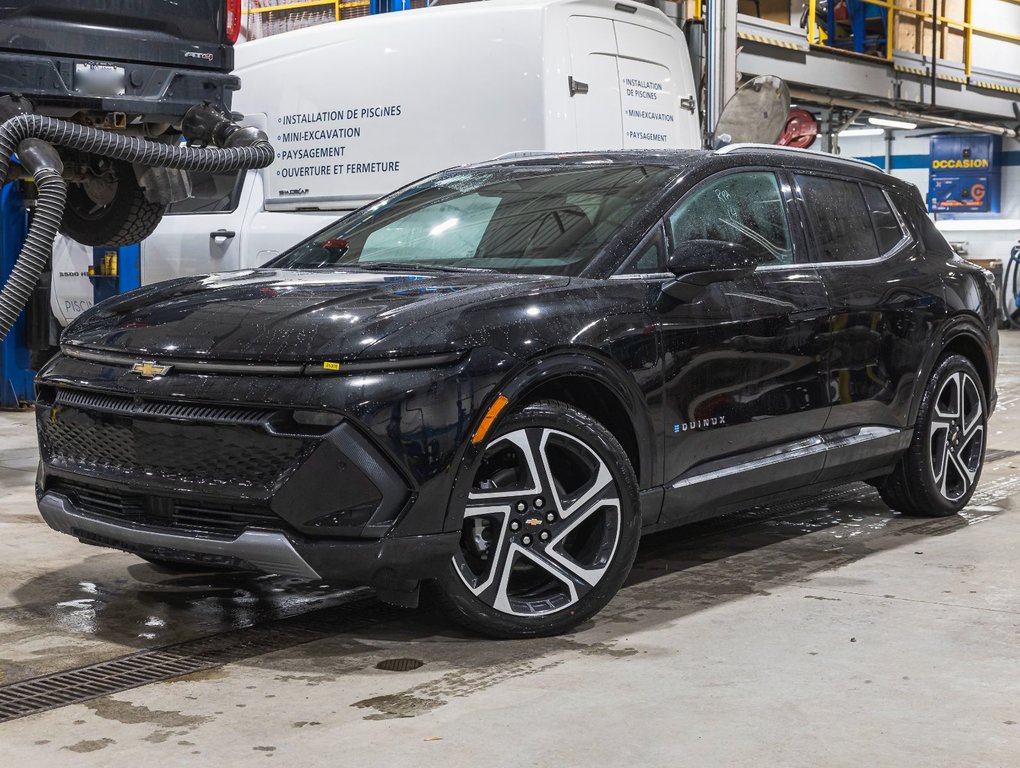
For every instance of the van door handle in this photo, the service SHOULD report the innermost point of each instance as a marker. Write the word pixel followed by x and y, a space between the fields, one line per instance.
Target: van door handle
pixel 226 234
pixel 576 86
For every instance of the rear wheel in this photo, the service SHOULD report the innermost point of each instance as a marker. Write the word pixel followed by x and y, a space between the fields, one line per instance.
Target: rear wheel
pixel 550 529
pixel 109 207
pixel 941 468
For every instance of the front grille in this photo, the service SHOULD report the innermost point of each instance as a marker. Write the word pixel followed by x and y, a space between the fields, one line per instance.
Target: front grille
pixel 224 414
pixel 165 512
pixel 163 443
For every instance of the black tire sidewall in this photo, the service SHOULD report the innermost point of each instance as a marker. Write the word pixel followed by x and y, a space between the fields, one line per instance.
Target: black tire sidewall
pixel 476 615
pixel 129 218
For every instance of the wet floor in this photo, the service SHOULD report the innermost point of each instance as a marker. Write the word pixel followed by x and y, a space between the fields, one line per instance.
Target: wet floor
pixel 829 631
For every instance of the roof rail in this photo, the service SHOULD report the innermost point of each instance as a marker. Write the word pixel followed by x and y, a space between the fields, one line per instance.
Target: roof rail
pixel 749 147
pixel 517 154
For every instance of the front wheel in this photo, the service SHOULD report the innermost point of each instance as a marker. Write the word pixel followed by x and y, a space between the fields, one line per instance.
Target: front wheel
pixel 551 526
pixel 937 475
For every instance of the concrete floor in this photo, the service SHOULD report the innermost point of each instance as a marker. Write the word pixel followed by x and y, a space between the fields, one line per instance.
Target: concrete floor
pixel 830 632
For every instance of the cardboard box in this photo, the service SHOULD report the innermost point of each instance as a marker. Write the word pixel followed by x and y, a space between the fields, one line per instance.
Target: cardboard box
pixel 913 34
pixel 771 10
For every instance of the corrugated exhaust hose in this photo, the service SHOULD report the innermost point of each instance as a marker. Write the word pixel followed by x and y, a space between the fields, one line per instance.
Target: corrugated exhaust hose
pixel 245 148
pixel 42 161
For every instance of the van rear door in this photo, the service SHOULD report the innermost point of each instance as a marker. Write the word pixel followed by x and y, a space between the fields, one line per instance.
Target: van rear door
pixel 627 84
pixel 653 81
pixel 595 83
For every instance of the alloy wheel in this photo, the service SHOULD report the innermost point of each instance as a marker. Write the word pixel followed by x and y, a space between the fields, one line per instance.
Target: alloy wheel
pixel 956 435
pixel 542 523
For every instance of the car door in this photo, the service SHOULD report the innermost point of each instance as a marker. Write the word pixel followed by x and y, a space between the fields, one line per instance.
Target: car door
pixel 743 380
pixel 884 298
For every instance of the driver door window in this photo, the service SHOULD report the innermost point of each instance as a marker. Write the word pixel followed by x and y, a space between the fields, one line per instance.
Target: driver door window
pixel 745 208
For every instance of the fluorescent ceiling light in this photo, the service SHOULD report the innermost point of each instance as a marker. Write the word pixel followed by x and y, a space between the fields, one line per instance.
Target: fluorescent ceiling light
pixel 887 123
pixel 861 132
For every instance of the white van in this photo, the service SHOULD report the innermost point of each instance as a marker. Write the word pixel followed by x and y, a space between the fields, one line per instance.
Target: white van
pixel 359 108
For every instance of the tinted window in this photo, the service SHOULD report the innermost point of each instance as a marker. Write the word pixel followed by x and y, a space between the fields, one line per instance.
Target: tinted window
pixel 649 258
pixel 744 208
pixel 529 219
pixel 887 226
pixel 211 193
pixel 840 217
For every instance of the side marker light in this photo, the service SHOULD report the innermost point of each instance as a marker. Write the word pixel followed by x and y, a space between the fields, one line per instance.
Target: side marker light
pixel 490 416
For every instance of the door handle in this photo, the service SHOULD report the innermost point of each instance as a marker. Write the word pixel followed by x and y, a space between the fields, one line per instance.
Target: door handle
pixel 226 234
pixel 576 86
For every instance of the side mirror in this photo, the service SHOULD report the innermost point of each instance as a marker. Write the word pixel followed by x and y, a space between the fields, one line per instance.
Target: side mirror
pixel 699 263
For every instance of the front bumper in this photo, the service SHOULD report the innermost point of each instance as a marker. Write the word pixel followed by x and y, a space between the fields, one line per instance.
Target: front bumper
pixel 395 564
pixel 214 470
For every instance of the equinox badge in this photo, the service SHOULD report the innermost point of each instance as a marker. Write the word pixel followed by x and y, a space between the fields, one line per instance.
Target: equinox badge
pixel 149 370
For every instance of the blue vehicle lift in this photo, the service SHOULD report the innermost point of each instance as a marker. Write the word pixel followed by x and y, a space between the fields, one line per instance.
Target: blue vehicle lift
pixel 15 371
pixel 114 271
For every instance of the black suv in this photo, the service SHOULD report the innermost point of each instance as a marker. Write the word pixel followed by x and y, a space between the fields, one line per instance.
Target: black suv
pixel 494 380
pixel 132 66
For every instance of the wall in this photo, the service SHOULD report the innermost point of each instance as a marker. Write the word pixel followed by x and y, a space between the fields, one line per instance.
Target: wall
pixel 987 235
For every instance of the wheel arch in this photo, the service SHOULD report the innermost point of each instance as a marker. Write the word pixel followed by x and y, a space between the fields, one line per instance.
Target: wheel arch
pixel 598 387
pixel 963 334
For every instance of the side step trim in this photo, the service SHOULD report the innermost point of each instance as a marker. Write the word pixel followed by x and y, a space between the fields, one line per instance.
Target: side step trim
pixel 269 551
pixel 798 449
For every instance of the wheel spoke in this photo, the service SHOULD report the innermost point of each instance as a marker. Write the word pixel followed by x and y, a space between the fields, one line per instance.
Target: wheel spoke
pixel 591 575
pixel 602 475
pixel 965 473
pixel 970 427
pixel 940 457
pixel 956 397
pixel 520 440
pixel 965 476
pixel 576 587
pixel 499 555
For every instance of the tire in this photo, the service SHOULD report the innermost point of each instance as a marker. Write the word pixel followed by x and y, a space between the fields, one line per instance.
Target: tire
pixel 128 218
pixel 937 475
pixel 551 527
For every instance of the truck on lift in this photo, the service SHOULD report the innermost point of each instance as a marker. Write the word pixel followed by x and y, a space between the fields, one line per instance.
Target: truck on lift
pixel 95 101
pixel 132 67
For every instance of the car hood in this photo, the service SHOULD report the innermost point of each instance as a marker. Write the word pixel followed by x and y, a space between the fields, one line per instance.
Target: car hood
pixel 284 315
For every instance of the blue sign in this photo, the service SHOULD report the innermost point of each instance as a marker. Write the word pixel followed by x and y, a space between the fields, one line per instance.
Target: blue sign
pixel 965 173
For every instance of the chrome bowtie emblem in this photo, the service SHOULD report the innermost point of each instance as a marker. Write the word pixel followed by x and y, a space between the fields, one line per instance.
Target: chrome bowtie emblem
pixel 150 370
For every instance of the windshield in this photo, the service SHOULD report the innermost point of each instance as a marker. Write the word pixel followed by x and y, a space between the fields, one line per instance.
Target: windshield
pixel 537 220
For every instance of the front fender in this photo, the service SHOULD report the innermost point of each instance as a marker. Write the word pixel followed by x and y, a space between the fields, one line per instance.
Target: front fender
pixel 522 382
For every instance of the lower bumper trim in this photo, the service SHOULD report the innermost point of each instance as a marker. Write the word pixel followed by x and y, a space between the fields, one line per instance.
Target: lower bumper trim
pixel 268 551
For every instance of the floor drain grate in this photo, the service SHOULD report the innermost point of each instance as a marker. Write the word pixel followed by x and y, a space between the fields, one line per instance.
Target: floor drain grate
pixel 399 665
pixel 38 694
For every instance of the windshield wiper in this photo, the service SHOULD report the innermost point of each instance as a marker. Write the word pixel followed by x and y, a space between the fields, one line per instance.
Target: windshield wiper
pixel 396 266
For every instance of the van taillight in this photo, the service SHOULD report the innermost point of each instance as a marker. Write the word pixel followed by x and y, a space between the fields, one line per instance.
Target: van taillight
pixel 233 22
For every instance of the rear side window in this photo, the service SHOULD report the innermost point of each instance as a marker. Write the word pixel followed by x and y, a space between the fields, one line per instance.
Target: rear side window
pixel 887 226
pixel 840 217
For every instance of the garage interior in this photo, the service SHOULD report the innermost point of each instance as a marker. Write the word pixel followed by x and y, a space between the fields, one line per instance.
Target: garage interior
pixel 829 630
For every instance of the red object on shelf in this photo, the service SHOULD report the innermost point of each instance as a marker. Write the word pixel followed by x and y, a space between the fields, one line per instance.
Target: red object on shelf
pixel 800 131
